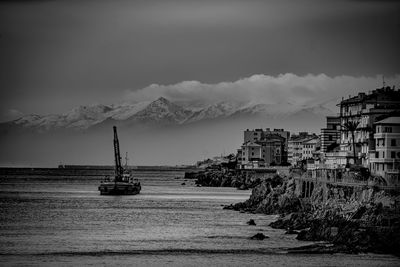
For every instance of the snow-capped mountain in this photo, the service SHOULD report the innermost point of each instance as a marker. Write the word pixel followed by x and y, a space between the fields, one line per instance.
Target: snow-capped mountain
pixel 126 110
pixel 81 117
pixel 160 112
pixel 218 110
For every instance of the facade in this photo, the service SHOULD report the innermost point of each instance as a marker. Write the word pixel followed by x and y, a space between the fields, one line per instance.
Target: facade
pixel 310 147
pixel 281 133
pixel 385 161
pixel 296 145
pixel 268 151
pixel 253 135
pixel 366 109
pixel 331 134
pixel 258 134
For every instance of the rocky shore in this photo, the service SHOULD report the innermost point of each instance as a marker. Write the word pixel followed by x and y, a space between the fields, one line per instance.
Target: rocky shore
pixel 224 178
pixel 350 220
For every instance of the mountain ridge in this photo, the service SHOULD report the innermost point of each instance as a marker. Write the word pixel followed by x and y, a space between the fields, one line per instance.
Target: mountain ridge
pixel 158 112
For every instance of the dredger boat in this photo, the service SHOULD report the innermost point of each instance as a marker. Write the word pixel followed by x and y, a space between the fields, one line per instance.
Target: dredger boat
pixel 123 182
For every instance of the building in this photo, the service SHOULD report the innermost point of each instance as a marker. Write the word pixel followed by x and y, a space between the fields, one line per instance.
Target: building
pixel 267 151
pixel 253 135
pixel 385 161
pixel 261 134
pixel 281 133
pixel 258 134
pixel 331 134
pixel 296 146
pixel 365 109
pixel 310 147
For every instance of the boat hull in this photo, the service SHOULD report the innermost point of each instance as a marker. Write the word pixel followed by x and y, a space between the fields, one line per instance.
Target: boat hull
pixel 119 188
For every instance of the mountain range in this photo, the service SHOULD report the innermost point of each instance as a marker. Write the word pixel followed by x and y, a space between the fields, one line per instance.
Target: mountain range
pixel 158 132
pixel 160 112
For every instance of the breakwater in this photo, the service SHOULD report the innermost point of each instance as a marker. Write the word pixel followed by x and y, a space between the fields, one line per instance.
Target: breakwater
pixel 84 170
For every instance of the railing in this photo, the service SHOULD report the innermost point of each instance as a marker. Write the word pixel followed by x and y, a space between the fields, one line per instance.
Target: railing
pixel 347 181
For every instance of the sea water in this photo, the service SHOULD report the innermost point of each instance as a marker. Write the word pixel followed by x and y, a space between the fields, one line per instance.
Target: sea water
pixel 47 221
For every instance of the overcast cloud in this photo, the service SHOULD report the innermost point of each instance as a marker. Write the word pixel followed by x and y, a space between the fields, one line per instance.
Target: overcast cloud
pixel 285 88
pixel 59 54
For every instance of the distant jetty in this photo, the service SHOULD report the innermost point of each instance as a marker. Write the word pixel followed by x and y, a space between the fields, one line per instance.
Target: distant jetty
pixel 84 170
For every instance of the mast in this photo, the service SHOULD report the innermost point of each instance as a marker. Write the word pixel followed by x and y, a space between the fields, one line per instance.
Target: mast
pixel 117 156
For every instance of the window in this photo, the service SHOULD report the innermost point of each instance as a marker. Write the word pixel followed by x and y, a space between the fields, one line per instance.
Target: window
pixel 393 142
pixel 377 155
pixel 330 138
pixel 393 154
pixel 383 154
pixel 252 153
pixel 381 142
pixel 387 130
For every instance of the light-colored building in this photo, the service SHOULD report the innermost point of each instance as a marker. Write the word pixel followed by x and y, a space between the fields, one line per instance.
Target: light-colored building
pixel 365 109
pixel 385 160
pixel 310 147
pixel 296 146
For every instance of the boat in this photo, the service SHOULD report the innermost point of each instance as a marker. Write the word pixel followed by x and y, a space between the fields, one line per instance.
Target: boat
pixel 123 183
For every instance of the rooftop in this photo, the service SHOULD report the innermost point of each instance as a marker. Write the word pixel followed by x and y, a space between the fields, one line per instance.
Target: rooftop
pixel 390 120
pixel 380 94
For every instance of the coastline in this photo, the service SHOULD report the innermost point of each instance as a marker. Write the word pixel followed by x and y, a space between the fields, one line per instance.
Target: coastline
pixel 361 220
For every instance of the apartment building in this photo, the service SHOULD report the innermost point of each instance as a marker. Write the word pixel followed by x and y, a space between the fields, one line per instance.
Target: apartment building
pixel 385 159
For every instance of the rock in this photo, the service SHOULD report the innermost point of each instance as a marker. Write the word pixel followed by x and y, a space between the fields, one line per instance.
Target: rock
pixel 295 221
pixel 259 236
pixel 251 222
pixel 303 235
pixel 243 187
pixel 183 183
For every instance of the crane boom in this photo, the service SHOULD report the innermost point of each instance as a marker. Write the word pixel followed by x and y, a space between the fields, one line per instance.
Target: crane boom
pixel 118 167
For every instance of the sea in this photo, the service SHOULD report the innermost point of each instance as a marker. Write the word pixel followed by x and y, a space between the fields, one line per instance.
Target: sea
pixel 63 221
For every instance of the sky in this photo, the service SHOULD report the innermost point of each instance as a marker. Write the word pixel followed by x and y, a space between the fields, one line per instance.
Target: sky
pixel 56 55
pixel 59 54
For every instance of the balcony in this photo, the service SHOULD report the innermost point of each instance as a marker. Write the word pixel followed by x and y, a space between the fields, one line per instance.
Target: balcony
pixel 383 160
pixel 386 135
pixel 339 154
pixel 393 171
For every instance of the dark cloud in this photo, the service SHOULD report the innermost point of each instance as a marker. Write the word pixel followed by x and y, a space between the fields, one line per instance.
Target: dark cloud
pixel 60 54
